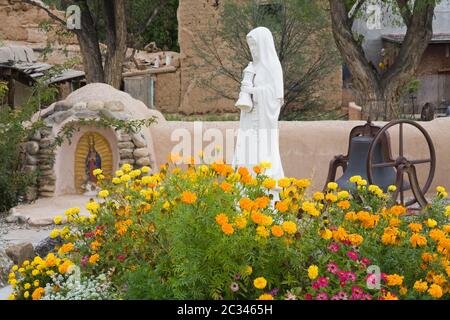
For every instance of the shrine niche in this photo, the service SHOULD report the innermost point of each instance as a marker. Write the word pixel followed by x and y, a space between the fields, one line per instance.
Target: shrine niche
pixel 92 152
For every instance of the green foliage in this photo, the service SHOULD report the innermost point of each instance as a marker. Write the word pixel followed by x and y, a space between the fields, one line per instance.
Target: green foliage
pixel 13 181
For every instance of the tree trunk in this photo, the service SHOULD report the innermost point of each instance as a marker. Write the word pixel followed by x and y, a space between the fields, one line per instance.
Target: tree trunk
pixel 89 46
pixel 381 93
pixel 116 37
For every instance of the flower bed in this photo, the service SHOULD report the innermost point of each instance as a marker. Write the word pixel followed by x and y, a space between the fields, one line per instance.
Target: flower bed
pixel 210 232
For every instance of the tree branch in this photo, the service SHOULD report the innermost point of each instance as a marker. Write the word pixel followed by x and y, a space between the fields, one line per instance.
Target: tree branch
pixel 354 11
pixel 405 12
pixel 49 12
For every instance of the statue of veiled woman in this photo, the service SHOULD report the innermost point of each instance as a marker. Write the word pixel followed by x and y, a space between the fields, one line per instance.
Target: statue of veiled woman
pixel 93 161
pixel 258 138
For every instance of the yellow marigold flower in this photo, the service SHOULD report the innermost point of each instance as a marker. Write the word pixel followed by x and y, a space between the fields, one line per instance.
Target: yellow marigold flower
pixel 332 185
pixel 344 205
pixel 431 223
pixel 27 286
pixel 15 268
pixel 440 189
pixel 361 182
pixel 435 291
pixel 103 193
pixel 92 206
pixel 284 183
pixel 221 219
pixel 57 220
pixel 119 173
pixel 331 197
pixel 125 178
pixel 188 197
pixel 417 240
pixel 93 259
pixel 326 234
pixel 282 206
pixel 265 296
pixel 145 169
pixel 415 227
pixel 11 297
pixel 302 183
pixel 340 234
pixel 392 188
pixel 38 293
pixel 36 283
pixel 420 286
pixel 389 296
pixel 394 222
pixel 269 183
pixel 35 272
pixel 342 195
pixel 355 239
pixel 318 196
pixel 116 180
pixel 95 245
pixel 248 270
pixel 72 211
pixel 260 283
pixel 266 164
pixel 262 231
pixel 266 220
pixel 96 172
pixel 289 226
pixel 394 280
pixel 277 231
pixel 65 248
pixel 313 272
pixel 135 173
pixel 26 294
pixel 240 222
pixel 126 167
pixel 355 179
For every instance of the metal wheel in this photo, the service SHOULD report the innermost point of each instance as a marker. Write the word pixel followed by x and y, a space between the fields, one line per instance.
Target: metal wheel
pixel 404 165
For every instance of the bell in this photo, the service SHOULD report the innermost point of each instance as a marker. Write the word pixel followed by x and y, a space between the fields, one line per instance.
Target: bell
pixel 357 165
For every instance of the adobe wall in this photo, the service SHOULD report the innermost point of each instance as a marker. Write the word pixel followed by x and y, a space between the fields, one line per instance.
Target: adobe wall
pixel 307 147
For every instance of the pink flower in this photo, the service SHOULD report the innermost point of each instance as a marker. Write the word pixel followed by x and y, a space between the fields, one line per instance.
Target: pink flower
pixel 308 296
pixel 346 242
pixel 322 296
pixel 84 261
pixel 351 276
pixel 121 258
pixel 367 296
pixel 342 295
pixel 322 282
pixel 100 227
pixel 234 287
pixel 332 267
pixel 366 261
pixel 333 247
pixel 342 283
pixel 355 296
pixel 89 234
pixel 357 290
pixel 352 255
pixel 342 275
pixel 333 228
pixel 315 285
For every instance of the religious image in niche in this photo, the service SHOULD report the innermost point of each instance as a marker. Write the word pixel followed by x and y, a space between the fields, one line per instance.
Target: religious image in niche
pixel 260 101
pixel 93 161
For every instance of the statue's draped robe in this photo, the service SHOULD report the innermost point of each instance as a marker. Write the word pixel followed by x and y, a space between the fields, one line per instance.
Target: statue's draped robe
pixel 258 136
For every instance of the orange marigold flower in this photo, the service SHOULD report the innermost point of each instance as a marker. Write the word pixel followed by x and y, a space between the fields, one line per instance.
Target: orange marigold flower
pixel 38 293
pixel 436 291
pixel 415 227
pixel 246 204
pixel 64 267
pixel 269 183
pixel 417 240
pixel 262 202
pixel 225 186
pixel 277 231
pixel 355 239
pixel 265 296
pixel 227 228
pixel 351 216
pixel 340 234
pixel 437 235
pixel 394 280
pixel 221 219
pixel 65 248
pixel 257 217
pixel 282 206
pixel 94 258
pixel 344 205
pixel 243 171
pixel 397 210
pixel 257 169
pixel 188 197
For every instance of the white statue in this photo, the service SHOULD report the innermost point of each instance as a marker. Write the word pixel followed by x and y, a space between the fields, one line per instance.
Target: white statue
pixel 258 139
